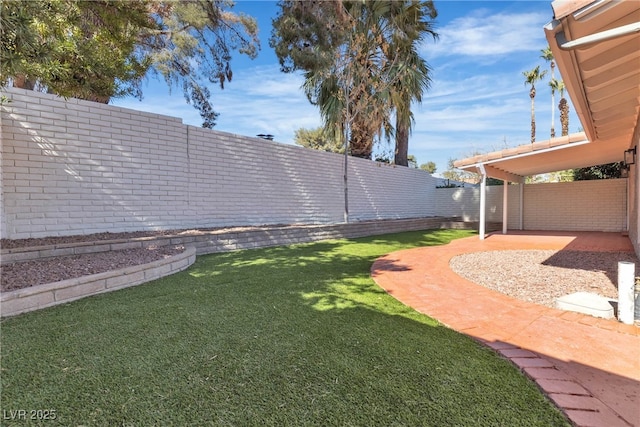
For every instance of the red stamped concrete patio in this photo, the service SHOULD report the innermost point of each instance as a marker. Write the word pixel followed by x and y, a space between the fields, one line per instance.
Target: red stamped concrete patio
pixel 589 367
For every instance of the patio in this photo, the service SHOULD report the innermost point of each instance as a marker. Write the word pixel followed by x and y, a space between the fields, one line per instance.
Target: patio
pixel 569 355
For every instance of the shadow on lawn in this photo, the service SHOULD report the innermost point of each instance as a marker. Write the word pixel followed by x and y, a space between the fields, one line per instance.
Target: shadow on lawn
pixel 342 255
pixel 279 336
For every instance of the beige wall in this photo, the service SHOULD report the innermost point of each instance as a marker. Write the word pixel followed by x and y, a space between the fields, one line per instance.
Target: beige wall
pixel 573 206
pixel 634 194
pixel 76 167
pixel 598 205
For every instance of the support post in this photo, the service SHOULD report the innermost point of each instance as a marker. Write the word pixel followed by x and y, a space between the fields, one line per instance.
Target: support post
pixel 505 203
pixel 346 157
pixel 521 185
pixel 483 202
pixel 345 182
pixel 626 294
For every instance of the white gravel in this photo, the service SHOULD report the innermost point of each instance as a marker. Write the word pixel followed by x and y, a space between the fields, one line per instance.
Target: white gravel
pixel 541 276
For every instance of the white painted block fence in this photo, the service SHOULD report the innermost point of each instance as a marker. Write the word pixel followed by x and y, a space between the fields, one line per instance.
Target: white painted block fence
pixel 77 167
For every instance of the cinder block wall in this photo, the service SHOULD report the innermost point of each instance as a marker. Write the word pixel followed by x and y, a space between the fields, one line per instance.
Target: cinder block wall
pixel 465 203
pixel 76 167
pixel 599 205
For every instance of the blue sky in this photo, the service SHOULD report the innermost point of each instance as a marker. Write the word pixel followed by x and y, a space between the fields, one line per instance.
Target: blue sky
pixel 477 102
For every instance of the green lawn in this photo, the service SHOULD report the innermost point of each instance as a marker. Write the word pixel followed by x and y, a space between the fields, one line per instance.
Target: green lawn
pixel 287 336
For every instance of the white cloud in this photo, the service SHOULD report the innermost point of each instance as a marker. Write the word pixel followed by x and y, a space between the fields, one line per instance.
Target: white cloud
pixel 482 34
pixel 265 100
pixel 258 100
pixel 268 81
pixel 474 88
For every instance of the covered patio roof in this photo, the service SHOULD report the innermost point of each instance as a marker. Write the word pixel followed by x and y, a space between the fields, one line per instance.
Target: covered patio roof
pixel 567 152
pixel 596 45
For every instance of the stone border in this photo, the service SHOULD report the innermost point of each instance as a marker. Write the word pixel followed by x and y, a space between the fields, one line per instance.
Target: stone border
pixel 50 294
pixel 197 243
pixel 223 240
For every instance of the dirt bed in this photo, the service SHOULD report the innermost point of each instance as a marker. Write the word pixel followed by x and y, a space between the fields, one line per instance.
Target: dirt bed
pixel 30 273
pixel 531 275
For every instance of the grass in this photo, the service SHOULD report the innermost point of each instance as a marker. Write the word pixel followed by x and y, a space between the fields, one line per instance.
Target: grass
pixel 296 335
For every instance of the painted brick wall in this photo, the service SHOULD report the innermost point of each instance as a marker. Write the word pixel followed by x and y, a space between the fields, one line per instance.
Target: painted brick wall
pixel 465 203
pixel 381 191
pixel 571 206
pixel 76 167
pixel 598 205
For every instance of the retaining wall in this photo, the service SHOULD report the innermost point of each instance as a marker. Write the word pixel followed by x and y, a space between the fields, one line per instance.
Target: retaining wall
pixel 197 242
pixel 50 294
pixel 77 167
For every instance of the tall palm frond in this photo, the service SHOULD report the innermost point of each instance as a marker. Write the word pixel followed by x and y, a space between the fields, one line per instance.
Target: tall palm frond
pixel 411 74
pixel 375 70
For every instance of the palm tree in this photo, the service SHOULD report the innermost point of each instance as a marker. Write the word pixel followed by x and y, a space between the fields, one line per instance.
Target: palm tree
pixel 563 106
pixel 350 88
pixel 547 55
pixel 364 67
pixel 531 77
pixel 411 76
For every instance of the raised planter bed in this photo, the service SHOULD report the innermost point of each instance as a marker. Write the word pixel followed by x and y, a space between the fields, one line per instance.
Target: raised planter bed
pixel 50 294
pixel 197 242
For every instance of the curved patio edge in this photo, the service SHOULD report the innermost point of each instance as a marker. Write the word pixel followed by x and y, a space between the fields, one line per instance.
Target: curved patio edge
pixel 47 295
pixel 570 356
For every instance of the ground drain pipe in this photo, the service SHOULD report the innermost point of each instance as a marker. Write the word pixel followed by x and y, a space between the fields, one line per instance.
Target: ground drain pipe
pixel 626 291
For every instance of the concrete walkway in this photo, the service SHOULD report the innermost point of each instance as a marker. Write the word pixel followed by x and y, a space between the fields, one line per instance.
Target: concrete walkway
pixel 589 367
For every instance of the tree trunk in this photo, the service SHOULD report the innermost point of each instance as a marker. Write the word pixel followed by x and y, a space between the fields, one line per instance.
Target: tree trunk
pixel 21 81
pixel 402 145
pixel 553 103
pixel 360 142
pixel 563 106
pixel 532 95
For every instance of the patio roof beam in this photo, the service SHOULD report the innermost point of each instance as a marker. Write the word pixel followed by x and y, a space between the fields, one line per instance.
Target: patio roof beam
pixel 505 206
pixel 494 172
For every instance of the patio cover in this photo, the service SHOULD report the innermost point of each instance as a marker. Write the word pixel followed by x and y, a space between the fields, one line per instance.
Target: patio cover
pixel 556 154
pixel 596 46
